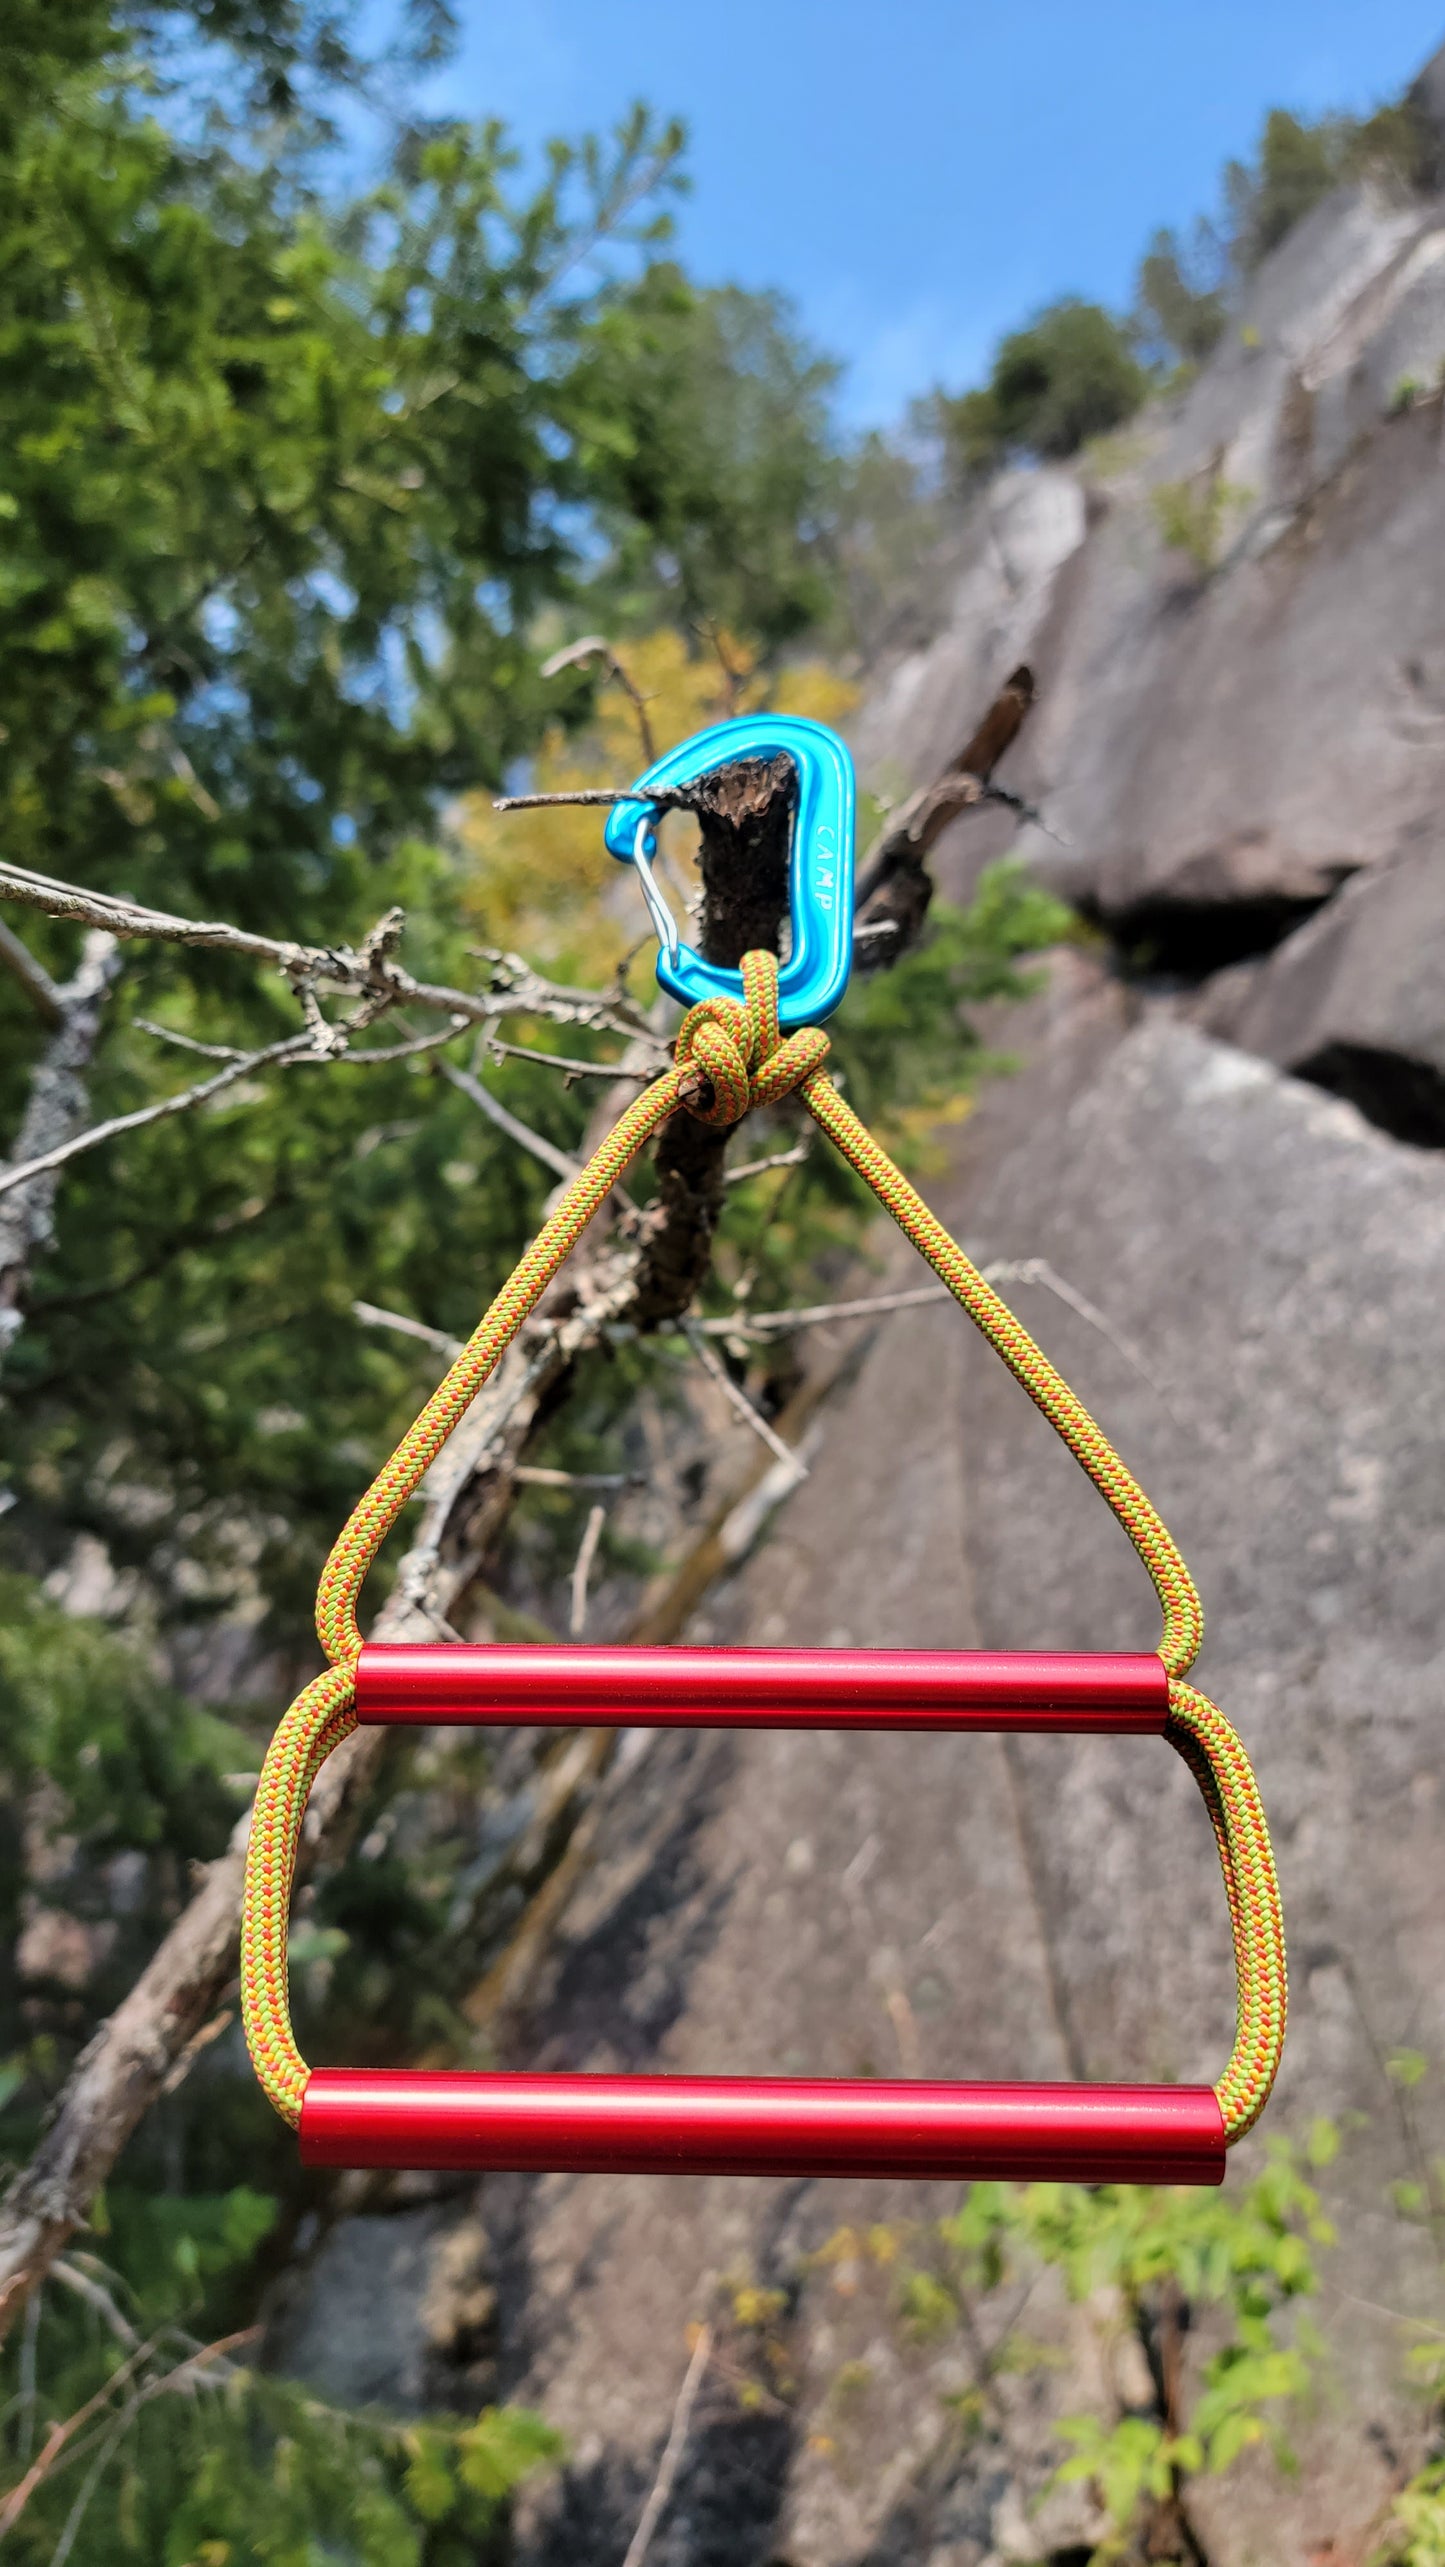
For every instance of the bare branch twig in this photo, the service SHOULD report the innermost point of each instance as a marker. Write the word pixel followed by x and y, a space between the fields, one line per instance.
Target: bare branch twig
pixel 369 973
pixel 126 918
pixel 781 1159
pixel 512 1124
pixel 96 2296
pixel 188 1042
pixel 596 646
pixel 582 1568
pixel 408 1051
pixel 32 976
pixel 575 1069
pixel 1037 1270
pixel 518 990
pixel 672 2450
pixel 437 1338
pixel 295 1051
pixel 594 797
pixel 54 1110
pixel 738 1399
pixel 819 1314
pixel 536 1475
pixel 295 1047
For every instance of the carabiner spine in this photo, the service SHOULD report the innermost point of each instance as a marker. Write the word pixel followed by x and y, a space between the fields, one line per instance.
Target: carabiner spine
pixel 815 975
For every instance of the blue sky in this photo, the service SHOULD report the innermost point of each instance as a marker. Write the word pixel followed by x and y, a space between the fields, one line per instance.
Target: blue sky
pixel 919 176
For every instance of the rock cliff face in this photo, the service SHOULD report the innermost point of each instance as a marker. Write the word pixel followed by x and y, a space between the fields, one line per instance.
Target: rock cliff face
pixel 1242 737
pixel 1271 1264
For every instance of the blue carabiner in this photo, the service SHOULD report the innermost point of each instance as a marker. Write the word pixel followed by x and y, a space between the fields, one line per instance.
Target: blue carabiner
pixel 815 975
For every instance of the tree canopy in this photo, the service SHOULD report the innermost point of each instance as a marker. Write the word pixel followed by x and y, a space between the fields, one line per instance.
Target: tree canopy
pixel 292 479
pixel 1071 374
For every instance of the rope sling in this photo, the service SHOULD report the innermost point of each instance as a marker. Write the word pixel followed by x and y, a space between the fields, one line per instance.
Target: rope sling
pixel 730 1056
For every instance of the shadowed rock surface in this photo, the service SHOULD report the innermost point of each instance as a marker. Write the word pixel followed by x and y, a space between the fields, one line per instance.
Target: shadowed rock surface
pixel 1047 1908
pixel 1356 1000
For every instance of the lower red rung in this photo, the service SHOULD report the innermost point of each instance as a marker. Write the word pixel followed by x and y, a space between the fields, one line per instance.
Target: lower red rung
pixel 459 2121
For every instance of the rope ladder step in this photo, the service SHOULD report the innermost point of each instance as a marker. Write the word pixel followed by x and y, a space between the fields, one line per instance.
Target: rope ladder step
pixel 463 2121
pixel 732 1053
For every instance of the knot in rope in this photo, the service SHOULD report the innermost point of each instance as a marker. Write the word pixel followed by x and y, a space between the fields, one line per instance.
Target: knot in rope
pixel 732 1053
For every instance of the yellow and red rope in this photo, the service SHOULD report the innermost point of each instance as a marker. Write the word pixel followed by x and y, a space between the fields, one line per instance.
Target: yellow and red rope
pixel 730 1056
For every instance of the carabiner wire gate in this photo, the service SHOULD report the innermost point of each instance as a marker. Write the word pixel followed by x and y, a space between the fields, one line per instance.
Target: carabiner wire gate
pixel 657 908
pixel 815 975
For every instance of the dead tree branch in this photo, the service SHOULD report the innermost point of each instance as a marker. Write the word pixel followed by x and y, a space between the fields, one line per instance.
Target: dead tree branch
pixel 793 1158
pixel 596 797
pixel 895 886
pixel 46 1162
pixel 55 1109
pixel 582 1569
pixel 296 1051
pixel 500 1051
pixel 32 976
pixel 764 1324
pixel 738 1399
pixel 673 2449
pixel 436 1338
pixel 595 646
pixel 515 1129
pixel 642 1281
pixel 371 973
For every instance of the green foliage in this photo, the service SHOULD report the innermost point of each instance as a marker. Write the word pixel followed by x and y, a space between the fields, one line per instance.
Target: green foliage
pixel 1131 2463
pixel 288 480
pixel 1163 2256
pixel 1070 375
pixel 181 2453
pixel 1181 297
pixel 127 1762
pixel 1191 515
pixel 1185 287
pixel 98 1763
pixel 1298 160
pixel 1415 2534
pixel 891 565
pixel 1398 147
pixel 716 473
pixel 1296 164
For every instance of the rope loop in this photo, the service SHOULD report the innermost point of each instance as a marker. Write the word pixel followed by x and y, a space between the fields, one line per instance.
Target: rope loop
pixel 732 1054
pixel 1210 1748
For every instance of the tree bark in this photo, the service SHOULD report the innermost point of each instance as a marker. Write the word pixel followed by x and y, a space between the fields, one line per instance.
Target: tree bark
pixel 55 1110
pixel 895 887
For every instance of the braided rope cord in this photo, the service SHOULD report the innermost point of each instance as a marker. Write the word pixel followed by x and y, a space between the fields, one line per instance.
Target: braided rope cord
pixel 730 1056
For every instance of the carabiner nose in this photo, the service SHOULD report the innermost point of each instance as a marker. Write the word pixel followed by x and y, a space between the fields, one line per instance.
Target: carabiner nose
pixel 815 975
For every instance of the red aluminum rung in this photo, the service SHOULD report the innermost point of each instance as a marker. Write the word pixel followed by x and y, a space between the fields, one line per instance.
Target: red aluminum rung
pixel 462 2122
pixel 558 1686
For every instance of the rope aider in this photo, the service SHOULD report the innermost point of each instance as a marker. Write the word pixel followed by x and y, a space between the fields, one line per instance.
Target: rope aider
pixel 732 1054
